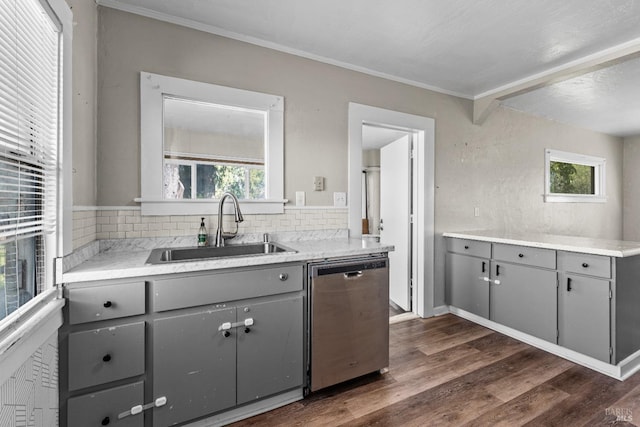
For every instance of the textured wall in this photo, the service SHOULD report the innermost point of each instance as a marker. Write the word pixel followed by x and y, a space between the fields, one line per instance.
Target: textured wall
pixel 631 189
pixel 29 398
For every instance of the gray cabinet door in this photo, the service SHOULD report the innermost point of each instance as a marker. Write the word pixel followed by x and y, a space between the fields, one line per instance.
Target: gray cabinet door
pixel 193 365
pixel 583 315
pixel 270 352
pixel 465 284
pixel 525 298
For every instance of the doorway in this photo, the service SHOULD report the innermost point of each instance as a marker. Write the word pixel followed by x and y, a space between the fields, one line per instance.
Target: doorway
pixel 422 180
pixel 388 203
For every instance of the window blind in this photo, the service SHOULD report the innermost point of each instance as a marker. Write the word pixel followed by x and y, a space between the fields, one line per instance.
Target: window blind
pixel 29 81
pixel 29 125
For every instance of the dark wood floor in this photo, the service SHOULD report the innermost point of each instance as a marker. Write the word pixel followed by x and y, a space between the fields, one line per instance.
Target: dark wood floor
pixel 393 311
pixel 448 371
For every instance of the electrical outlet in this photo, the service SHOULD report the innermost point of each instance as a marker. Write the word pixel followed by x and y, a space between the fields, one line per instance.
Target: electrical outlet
pixel 340 199
pixel 300 198
pixel 318 183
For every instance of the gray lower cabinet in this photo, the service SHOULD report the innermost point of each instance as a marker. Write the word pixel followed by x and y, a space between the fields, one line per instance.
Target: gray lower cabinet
pixel 206 342
pixel 584 315
pixel 194 365
pixel 270 352
pixel 202 366
pixel 525 298
pixel 582 301
pixel 466 285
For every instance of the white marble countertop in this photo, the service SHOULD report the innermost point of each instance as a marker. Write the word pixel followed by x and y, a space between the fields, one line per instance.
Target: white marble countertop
pixel 614 248
pixel 119 263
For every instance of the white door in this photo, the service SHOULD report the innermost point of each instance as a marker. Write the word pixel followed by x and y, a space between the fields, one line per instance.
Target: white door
pixel 395 211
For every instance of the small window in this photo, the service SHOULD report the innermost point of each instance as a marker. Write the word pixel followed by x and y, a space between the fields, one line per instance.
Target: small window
pixel 571 177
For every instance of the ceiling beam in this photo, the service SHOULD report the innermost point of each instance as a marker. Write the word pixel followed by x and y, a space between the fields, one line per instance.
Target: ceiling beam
pixel 485 103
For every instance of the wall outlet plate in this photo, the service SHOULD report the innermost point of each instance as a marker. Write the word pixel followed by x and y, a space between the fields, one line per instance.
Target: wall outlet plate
pixel 300 198
pixel 340 199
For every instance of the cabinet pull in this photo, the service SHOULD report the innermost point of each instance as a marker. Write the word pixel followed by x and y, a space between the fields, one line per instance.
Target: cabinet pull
pixel 568 284
pixel 283 276
pixel 520 255
pixel 484 265
pixel 497 270
pixel 226 334
pixel 105 421
pixel 247 330
pixel 107 304
pixel 466 246
pixel 585 265
pixel 106 358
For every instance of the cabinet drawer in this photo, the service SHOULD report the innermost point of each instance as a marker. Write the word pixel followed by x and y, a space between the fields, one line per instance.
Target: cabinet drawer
pixel 190 291
pixel 536 257
pixel 592 265
pixel 102 302
pixel 469 247
pixel 106 354
pixel 103 408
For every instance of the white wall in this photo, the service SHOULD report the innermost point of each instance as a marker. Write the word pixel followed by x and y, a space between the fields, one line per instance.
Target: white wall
pixel 498 167
pixel 631 189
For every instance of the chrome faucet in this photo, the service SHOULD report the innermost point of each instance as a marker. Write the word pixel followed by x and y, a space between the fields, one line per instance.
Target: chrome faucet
pixel 220 234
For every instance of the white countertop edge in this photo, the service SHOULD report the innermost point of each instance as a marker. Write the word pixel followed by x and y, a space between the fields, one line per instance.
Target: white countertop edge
pixel 102 268
pixel 586 248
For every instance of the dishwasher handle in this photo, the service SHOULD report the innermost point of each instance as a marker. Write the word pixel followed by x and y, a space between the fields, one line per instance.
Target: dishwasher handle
pixel 349 269
pixel 353 274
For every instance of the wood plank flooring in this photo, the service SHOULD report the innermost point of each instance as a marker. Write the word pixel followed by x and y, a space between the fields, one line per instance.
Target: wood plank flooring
pixel 447 371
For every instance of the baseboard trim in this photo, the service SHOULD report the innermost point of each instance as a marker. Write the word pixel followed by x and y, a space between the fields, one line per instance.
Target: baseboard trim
pixel 621 371
pixel 250 410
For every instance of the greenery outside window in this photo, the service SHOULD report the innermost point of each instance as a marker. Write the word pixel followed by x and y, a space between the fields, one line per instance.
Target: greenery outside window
pixel 202 179
pixel 571 177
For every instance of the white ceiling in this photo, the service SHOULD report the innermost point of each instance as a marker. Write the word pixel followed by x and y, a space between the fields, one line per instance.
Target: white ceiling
pixel 468 48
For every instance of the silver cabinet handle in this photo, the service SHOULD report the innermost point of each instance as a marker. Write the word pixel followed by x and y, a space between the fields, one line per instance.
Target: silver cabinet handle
pixel 283 276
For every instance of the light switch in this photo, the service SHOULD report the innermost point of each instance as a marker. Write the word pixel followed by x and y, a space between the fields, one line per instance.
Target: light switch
pixel 318 183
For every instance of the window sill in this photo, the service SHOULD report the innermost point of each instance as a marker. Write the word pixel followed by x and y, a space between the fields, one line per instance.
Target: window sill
pixel 573 198
pixel 207 207
pixel 27 329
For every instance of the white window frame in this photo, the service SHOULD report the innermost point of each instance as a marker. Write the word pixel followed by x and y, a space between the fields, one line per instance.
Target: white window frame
pixel 599 165
pixel 24 330
pixel 153 88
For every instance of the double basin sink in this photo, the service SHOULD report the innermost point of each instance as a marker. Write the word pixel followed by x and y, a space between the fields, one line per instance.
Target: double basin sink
pixel 164 255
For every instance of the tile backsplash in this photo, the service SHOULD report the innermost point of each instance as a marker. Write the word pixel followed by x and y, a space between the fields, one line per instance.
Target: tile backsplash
pixel 91 224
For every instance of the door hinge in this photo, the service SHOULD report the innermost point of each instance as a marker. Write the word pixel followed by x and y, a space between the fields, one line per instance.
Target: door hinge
pixel 610 351
pixel 610 294
pixel 411 219
pixel 557 283
pixel 413 153
pixel 557 335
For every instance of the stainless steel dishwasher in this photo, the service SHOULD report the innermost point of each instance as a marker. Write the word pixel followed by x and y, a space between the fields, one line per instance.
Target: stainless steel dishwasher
pixel 349 319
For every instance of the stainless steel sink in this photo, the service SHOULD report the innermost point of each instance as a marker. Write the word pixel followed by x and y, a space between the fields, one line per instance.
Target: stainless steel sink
pixel 162 255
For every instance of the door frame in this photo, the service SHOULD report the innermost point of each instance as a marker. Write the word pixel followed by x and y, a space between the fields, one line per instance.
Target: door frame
pixel 423 178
